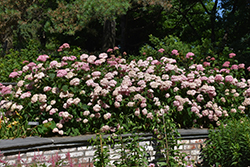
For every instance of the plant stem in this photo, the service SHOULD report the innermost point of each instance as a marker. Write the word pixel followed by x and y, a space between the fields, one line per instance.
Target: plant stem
pixel 101 149
pixel 166 144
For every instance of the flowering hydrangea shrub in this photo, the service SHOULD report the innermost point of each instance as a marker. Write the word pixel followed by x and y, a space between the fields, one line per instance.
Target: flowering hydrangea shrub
pixel 78 95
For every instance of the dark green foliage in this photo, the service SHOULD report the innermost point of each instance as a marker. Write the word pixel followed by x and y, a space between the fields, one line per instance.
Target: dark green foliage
pixel 229 145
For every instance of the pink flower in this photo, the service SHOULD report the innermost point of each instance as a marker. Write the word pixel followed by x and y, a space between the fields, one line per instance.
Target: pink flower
pixel 42 98
pixel 19 84
pixel 83 57
pixel 72 58
pixel 91 59
pixel 151 165
pixel 47 88
pixel 137 112
pixel 241 66
pixel 155 62
pixel 31 64
pixel 85 67
pixel 89 82
pixel 52 111
pixel 14 74
pixel 199 67
pixel 97 108
pixel 150 115
pixel 75 81
pixel 96 73
pixel 61 73
pixel 59 125
pixel 117 104
pixel 231 55
pixel 229 78
pixel 226 64
pixel 189 55
pixel 98 62
pixel 116 48
pixel 205 63
pixel 219 77
pixel 25 61
pixel 131 104
pixel 103 56
pixel 5 90
pixel 200 98
pixel 42 58
pixel 161 50
pixel 149 58
pixel 233 110
pixel 65 45
pixel 107 116
pixel 212 59
pixel 144 111
pixel 61 114
pixel 55 130
pixel 76 101
pixel 175 52
pixel 118 98
pixel 45 121
pixel 224 70
pixel 85 121
pixel 234 67
pixel 143 105
pixel 53 63
pixel 24 95
pixel 105 128
pixel 60 132
pixel 110 50
pixel 248 68
pixel 86 113
pixel 63 63
pixel 176 103
pixel 112 83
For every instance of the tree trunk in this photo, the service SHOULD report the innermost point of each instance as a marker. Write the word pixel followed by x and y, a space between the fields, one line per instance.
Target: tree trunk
pixel 7 40
pixel 108 34
pixel 212 18
pixel 123 33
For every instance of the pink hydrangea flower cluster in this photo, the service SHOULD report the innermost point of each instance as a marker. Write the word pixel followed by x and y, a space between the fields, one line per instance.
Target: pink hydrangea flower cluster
pixel 63 46
pixel 189 55
pixel 161 50
pixel 231 55
pixel 42 58
pixel 175 52
pixel 97 88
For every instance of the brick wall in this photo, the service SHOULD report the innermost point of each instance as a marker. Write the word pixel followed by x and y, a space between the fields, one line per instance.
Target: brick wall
pixel 80 150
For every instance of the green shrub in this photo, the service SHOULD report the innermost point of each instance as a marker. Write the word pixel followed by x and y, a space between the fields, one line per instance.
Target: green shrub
pixel 229 145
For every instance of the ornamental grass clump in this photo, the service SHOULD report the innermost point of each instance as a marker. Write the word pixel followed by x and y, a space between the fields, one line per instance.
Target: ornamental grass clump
pixel 83 94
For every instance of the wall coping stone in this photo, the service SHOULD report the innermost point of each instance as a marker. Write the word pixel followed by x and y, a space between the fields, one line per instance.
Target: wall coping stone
pixel 37 143
pixel 8 83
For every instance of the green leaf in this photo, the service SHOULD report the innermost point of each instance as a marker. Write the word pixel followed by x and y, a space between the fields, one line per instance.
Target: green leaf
pixel 52 75
pixel 65 88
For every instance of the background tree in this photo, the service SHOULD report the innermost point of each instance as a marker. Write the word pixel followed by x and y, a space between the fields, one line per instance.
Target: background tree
pixel 235 20
pixel 22 20
pixel 74 16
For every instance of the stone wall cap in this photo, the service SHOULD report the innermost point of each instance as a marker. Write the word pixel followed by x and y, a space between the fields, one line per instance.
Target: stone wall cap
pixel 69 139
pixel 32 142
pixel 193 131
pixel 24 142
